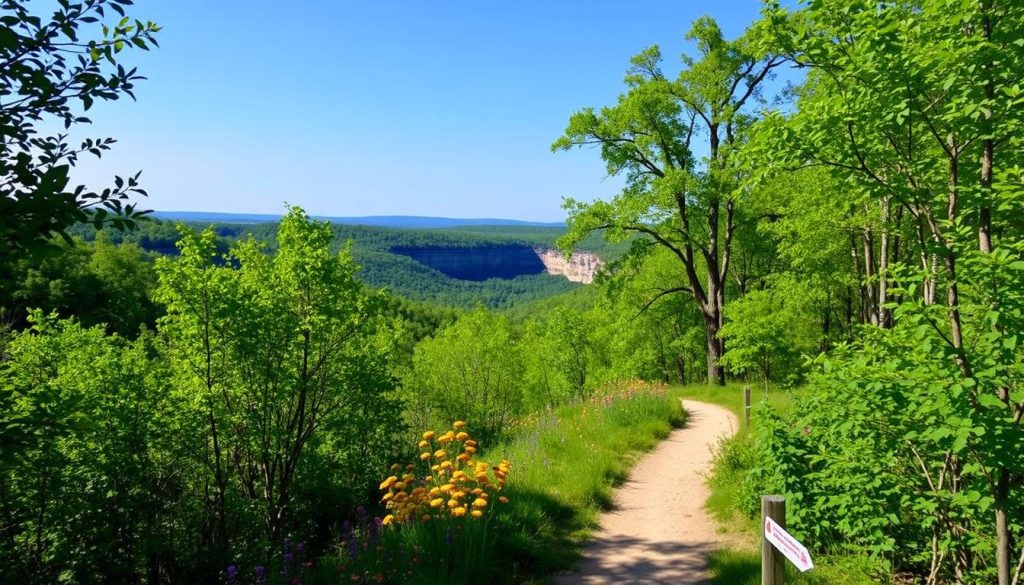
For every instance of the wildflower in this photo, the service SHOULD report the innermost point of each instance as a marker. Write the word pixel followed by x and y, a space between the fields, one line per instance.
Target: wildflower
pixel 261 575
pixel 423 444
pixel 462 436
pixel 503 499
pixel 458 512
pixel 436 502
pixel 440 454
pixel 479 503
pixel 477 514
pixel 428 435
pixel 388 519
pixel 459 424
pixel 232 572
pixel 424 456
pixel 390 481
pixel 425 518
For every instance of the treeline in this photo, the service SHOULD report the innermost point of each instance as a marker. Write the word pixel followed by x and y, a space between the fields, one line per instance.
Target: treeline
pixel 371 248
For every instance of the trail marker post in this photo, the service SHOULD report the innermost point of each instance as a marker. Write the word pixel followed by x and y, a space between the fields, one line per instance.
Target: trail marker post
pixel 773 564
pixel 746 404
pixel 777 545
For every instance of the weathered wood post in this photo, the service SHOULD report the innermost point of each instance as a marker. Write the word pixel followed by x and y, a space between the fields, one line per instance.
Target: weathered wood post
pixel 773 564
pixel 746 404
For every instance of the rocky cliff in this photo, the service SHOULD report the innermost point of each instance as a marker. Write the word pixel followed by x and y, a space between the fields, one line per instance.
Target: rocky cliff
pixel 502 261
pixel 580 267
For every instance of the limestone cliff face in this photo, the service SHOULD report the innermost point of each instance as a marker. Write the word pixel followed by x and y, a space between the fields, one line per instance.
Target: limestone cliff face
pixel 580 267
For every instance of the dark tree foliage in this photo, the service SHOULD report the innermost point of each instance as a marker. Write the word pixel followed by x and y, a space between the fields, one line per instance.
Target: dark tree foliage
pixel 52 70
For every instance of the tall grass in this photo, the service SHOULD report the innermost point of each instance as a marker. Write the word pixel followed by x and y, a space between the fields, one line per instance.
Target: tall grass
pixel 565 463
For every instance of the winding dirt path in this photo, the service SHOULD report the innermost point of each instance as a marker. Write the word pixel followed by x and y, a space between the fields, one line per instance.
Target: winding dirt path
pixel 659 531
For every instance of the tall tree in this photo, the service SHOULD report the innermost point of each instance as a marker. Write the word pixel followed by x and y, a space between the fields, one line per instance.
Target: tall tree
pixel 679 200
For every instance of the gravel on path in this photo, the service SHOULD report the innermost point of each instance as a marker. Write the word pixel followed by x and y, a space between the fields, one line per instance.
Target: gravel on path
pixel 658 531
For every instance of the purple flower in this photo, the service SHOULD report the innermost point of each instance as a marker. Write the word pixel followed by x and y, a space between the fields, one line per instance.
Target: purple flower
pixel 261 575
pixel 232 575
pixel 353 548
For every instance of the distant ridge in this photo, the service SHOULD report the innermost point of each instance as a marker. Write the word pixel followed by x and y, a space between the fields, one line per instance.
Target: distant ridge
pixel 396 221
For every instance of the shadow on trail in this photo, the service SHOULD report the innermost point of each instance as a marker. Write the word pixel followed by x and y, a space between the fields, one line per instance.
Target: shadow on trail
pixel 629 560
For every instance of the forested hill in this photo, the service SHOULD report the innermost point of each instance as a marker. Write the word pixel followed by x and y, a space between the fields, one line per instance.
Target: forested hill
pixel 375 248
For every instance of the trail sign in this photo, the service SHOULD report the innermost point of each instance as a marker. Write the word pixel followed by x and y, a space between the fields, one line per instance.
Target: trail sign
pixel 787 545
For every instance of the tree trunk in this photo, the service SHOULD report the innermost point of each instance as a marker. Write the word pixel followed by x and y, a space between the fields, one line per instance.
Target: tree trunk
pixel 1002 495
pixel 716 349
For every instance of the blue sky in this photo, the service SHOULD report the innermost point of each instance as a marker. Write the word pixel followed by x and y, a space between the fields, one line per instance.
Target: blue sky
pixel 443 108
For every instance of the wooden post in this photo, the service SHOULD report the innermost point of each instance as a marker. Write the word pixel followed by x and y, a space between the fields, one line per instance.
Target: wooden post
pixel 773 564
pixel 746 404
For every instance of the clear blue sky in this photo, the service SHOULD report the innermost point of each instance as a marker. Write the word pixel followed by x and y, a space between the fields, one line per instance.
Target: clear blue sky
pixel 443 108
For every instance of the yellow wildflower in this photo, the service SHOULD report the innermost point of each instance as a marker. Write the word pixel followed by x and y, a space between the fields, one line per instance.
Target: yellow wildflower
pixel 436 502
pixel 479 503
pixel 428 435
pixel 462 436
pixel 503 499
pixel 388 482
pixel 440 454
pixel 424 456
pixel 477 514
pixel 388 519
pixel 459 424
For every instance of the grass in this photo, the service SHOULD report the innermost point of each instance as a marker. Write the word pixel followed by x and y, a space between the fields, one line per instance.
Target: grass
pixel 567 464
pixel 741 564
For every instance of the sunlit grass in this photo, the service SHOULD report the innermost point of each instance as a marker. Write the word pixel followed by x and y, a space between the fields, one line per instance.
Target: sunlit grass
pixel 567 464
pixel 564 465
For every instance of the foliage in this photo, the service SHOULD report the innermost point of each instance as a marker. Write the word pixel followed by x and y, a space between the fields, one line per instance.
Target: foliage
pixel 671 199
pixel 53 73
pixel 273 354
pixel 472 367
pixel 99 284
pixel 86 495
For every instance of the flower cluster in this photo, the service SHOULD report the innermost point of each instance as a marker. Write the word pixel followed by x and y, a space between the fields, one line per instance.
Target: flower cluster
pixel 609 392
pixel 448 481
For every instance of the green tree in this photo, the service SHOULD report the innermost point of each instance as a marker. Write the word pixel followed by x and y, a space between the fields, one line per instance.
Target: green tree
pixel 686 204
pixel 275 353
pixel 49 71
pixel 472 370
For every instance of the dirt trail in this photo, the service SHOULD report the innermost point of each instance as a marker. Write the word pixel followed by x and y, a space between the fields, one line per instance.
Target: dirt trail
pixel 659 531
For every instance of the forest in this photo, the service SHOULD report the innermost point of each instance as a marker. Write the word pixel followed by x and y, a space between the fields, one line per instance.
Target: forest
pixel 182 403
